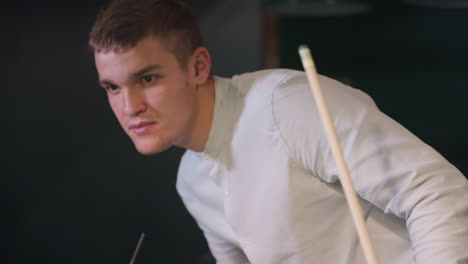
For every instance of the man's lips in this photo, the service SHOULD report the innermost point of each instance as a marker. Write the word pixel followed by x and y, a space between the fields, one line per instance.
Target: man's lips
pixel 141 128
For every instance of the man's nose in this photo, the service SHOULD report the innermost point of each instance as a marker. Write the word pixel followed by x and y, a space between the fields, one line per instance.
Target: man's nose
pixel 134 102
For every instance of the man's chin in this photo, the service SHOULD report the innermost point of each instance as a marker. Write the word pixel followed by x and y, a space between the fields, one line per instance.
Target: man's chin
pixel 150 150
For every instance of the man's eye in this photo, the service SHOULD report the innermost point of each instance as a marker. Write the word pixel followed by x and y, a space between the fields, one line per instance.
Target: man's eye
pixel 111 87
pixel 147 78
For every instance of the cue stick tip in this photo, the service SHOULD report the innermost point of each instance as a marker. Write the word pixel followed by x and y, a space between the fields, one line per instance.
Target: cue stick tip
pixel 306 57
pixel 302 46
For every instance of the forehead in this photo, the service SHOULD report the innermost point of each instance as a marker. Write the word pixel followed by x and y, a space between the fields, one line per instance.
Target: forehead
pixel 149 50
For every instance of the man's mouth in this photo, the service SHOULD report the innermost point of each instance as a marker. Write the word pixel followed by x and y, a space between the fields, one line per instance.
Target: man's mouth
pixel 142 128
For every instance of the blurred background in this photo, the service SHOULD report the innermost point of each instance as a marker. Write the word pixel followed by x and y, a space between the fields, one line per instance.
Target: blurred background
pixel 76 191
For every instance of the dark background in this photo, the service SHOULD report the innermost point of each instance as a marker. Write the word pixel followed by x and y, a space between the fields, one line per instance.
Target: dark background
pixel 76 191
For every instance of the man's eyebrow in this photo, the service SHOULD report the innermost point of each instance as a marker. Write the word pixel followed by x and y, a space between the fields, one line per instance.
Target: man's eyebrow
pixel 145 70
pixel 105 82
pixel 134 75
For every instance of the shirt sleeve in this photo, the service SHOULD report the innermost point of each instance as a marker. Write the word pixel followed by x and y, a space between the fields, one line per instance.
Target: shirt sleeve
pixel 389 166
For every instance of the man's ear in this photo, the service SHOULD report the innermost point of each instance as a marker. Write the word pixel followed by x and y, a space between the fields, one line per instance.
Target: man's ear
pixel 201 64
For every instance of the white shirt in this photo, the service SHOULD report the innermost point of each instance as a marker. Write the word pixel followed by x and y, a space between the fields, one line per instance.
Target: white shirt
pixel 265 189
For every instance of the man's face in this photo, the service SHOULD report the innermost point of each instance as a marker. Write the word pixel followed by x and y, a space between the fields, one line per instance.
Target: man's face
pixel 151 94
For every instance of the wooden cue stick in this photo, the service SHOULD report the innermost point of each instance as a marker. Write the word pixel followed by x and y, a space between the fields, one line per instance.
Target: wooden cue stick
pixel 135 253
pixel 350 194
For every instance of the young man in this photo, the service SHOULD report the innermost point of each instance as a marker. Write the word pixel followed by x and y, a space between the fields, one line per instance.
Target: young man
pixel 258 175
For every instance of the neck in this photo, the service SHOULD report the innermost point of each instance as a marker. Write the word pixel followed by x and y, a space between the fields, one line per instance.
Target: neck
pixel 204 116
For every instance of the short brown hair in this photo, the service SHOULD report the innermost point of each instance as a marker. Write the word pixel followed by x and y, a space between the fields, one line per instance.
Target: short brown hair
pixel 123 23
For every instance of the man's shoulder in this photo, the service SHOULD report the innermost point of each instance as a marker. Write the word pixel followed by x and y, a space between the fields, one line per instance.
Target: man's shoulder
pixel 270 74
pixel 280 81
pixel 266 79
